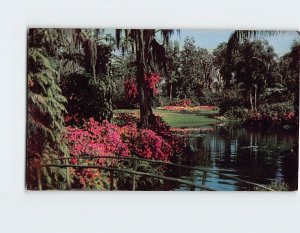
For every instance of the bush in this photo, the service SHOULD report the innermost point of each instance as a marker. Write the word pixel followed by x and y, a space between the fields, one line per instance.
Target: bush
pixel 278 114
pixel 228 104
pixel 210 98
pixel 123 119
pixel 93 139
pixel 121 139
pixel 278 108
pixel 236 113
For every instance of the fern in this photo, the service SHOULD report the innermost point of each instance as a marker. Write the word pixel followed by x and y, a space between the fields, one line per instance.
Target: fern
pixel 46 109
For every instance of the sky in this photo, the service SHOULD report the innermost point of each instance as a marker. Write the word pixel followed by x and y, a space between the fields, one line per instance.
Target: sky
pixel 210 39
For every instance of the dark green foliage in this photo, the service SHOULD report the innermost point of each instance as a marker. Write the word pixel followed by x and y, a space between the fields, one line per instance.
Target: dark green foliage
pixel 46 106
pixel 88 97
pixel 230 99
pixel 237 113
pixel 86 80
pixel 280 108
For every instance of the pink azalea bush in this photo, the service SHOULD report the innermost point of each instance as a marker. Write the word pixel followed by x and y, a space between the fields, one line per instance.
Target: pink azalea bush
pixel 146 143
pixel 122 139
pixel 189 108
pixel 95 139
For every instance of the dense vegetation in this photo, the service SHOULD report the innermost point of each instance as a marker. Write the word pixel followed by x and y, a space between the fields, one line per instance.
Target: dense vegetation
pixel 77 78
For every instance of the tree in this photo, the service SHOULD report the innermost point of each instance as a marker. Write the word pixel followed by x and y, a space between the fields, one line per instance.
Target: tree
pixel 196 71
pixel 85 71
pixel 173 68
pixel 149 55
pixel 240 35
pixel 253 69
pixel 290 71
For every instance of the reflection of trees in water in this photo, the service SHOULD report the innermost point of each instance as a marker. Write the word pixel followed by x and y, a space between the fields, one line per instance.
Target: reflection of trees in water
pixel 290 167
pixel 202 156
pixel 255 154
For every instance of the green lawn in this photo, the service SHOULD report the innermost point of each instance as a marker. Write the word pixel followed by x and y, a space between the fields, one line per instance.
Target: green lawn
pixel 181 119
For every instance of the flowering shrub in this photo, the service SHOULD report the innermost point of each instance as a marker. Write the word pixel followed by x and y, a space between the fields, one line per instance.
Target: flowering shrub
pixel 164 130
pixel 130 86
pixel 123 139
pixel 182 103
pixel 152 81
pixel 123 119
pixel 271 118
pixel 189 109
pixel 146 143
pixel 131 89
pixel 95 139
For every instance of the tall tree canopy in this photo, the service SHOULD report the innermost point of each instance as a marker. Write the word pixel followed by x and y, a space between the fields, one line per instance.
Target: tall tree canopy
pixel 150 56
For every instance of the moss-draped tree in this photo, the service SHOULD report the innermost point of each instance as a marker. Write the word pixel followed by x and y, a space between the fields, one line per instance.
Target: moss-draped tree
pixel 150 56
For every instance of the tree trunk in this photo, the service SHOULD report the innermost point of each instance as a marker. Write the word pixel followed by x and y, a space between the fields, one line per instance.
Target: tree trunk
pixel 171 90
pixel 255 98
pixel 143 92
pixel 251 101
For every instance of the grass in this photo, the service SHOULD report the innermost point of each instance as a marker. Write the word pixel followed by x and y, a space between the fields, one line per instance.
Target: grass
pixel 181 119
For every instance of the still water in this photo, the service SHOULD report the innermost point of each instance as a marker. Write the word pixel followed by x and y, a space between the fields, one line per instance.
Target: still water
pixel 259 156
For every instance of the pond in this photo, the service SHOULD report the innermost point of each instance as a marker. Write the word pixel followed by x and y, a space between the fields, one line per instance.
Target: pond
pixel 259 156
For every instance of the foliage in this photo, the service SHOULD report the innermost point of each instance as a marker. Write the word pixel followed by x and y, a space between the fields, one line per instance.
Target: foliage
pixel 182 103
pixel 164 130
pixel 123 119
pixel 86 82
pixel 230 99
pixel 290 73
pixel 46 105
pixel 146 143
pixel 124 139
pixel 234 113
pixel 149 55
pixel 95 139
pixel 88 97
pixel 151 83
pixel 195 71
pixel 271 118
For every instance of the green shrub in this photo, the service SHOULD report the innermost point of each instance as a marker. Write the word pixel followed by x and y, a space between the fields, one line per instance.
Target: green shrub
pixel 236 113
pixel 277 108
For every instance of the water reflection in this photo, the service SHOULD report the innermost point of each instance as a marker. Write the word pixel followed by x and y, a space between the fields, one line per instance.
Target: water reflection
pixel 259 156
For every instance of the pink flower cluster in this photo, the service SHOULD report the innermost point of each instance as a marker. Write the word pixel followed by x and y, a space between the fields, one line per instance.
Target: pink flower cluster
pixel 152 80
pixel 146 143
pixel 130 86
pixel 95 139
pixel 189 109
pixel 125 139
pixel 106 139
pixel 131 89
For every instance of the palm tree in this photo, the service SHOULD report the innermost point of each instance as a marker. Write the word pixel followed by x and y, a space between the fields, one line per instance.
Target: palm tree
pixel 150 55
pixel 240 35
